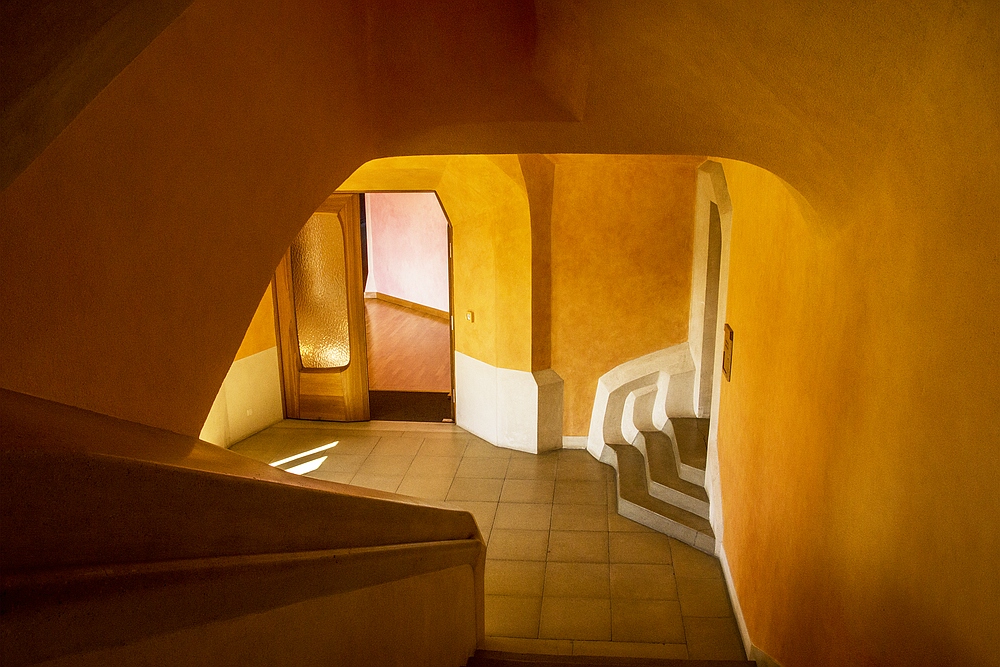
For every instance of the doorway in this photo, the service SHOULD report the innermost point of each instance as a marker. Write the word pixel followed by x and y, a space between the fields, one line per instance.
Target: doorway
pixel 364 303
pixel 408 306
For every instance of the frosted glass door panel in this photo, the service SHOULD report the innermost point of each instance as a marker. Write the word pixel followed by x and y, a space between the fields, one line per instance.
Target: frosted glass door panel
pixel 319 285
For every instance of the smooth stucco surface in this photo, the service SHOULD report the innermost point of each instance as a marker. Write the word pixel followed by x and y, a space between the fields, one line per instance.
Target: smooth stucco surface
pixel 859 447
pixel 484 198
pixel 622 235
pixel 849 496
pixel 260 335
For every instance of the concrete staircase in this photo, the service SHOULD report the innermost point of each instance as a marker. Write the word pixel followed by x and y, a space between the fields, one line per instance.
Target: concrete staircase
pixel 661 480
pixel 645 423
pixel 500 659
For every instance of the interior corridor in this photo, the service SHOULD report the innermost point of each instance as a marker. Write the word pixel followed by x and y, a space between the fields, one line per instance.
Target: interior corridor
pixel 565 573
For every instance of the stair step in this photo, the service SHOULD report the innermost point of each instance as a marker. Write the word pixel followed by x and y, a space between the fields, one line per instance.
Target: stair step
pixel 635 502
pixel 665 481
pixel 501 659
pixel 691 442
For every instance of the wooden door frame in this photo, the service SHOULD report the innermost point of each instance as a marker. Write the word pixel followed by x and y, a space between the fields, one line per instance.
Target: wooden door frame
pixel 451 276
pixel 352 379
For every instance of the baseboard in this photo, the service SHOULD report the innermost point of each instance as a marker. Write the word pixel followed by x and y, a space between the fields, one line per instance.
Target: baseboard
pixel 574 442
pixel 762 659
pixel 419 307
pixel 752 650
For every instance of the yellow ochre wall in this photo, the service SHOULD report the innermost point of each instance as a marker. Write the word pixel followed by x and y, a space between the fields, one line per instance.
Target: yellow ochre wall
pixel 174 236
pixel 484 198
pixel 621 244
pixel 855 527
pixel 260 334
pixel 622 233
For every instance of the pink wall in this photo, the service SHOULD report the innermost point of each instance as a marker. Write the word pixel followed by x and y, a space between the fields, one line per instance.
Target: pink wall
pixel 408 247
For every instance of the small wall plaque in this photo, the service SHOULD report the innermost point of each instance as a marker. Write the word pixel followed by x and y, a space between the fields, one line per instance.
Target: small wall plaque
pixel 727 353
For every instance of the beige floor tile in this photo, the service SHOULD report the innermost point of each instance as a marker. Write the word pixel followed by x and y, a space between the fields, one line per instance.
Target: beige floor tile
pixel 404 446
pixel 523 516
pixel 521 645
pixel 342 463
pixel 640 548
pixel 378 482
pixel 340 477
pixel 579 517
pixel 484 512
pixel 482 467
pixel 512 616
pixel 469 488
pixel 527 490
pixel 653 621
pixel 713 639
pixel 385 466
pixel 514 577
pixel 450 433
pixel 434 466
pixel 580 492
pixel 588 470
pixel 427 488
pixel 689 562
pixel 275 444
pixel 542 466
pixel 643 581
pixel 480 448
pixel 574 455
pixel 575 618
pixel 703 597
pixel 354 445
pixel 577 580
pixel 618 523
pixel 443 446
pixel 631 649
pixel 518 544
pixel 578 546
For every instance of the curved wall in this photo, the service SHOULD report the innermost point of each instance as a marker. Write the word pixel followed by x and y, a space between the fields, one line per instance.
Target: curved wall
pixel 137 244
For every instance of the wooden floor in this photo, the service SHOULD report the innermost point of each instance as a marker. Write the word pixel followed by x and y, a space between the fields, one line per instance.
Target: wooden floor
pixel 407 350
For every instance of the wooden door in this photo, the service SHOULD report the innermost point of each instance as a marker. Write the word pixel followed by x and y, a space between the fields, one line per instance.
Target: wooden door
pixel 321 316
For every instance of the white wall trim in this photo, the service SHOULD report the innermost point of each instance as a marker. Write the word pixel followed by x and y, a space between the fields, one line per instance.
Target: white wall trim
pixel 711 187
pixel 614 387
pixel 720 552
pixel 509 408
pixel 752 650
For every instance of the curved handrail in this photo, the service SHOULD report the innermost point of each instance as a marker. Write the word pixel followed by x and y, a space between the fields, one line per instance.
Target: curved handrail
pixel 105 519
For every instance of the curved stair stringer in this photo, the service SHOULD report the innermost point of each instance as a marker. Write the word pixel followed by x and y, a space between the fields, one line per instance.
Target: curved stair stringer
pixel 633 404
pixel 635 503
pixel 670 370
pixel 664 477
pixel 118 537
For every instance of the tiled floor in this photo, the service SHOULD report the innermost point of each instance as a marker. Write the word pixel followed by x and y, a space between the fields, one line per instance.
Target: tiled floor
pixel 564 572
